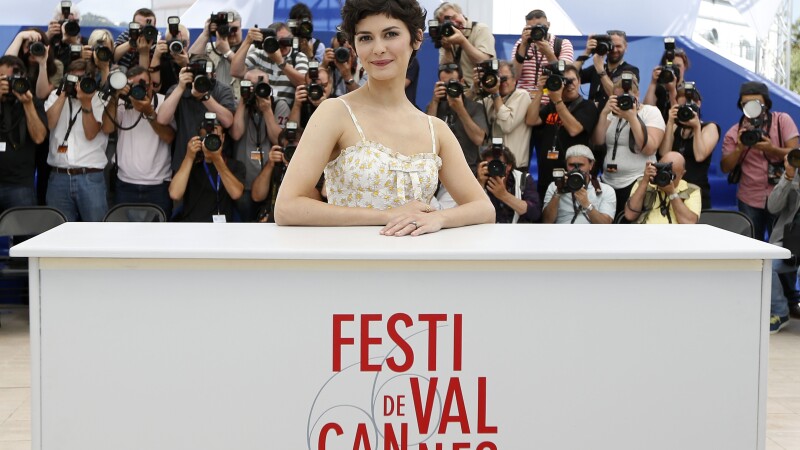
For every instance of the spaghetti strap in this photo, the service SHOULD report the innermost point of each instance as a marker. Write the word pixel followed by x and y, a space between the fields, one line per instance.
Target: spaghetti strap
pixel 433 136
pixel 355 121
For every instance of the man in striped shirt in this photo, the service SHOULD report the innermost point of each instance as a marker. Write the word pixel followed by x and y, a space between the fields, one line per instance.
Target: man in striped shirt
pixel 536 49
pixel 285 67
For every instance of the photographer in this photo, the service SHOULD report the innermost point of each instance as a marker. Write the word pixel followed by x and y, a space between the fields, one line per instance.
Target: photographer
pixel 565 121
pixel 143 145
pixel 755 148
pixel 695 139
pixel 165 63
pixel 22 127
pixel 506 107
pixel 44 71
pixel 662 195
pixel 128 54
pixel 631 133
pixel 346 70
pixel 465 117
pixel 207 182
pixel 603 75
pixel 77 156
pixel 568 201
pixel 64 31
pixel 187 106
pixel 512 192
pixel 221 51
pixel 313 48
pixel 255 129
pixel 668 78
pixel 784 203
pixel 470 43
pixel 536 49
pixel 101 45
pixel 308 97
pixel 285 67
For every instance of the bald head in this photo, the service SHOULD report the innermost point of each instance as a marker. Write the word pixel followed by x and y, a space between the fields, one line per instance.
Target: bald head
pixel 678 164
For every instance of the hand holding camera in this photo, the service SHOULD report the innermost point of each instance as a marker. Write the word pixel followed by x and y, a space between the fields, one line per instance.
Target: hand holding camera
pixel 185 79
pixel 222 46
pixel 276 156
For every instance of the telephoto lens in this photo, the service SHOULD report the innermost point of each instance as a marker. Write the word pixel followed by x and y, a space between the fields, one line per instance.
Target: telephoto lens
pixel 37 49
pixel 138 91
pixel 202 84
pixel 103 53
pixel 19 84
pixel 175 46
pixel 212 142
pixel 454 89
pixel 575 180
pixel 262 90
pixel 341 54
pixel 88 84
pixel 72 28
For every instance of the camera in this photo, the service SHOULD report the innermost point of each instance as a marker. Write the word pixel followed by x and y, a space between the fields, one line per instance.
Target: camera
pixel 102 52
pixel 555 75
pixel 88 84
pixel 302 28
pixel 488 70
pixel 269 43
pixel 669 72
pixel 223 22
pixel 688 110
pixel 664 174
pixel 116 80
pixel 69 85
pixel 497 168
pixel 173 23
pixel 438 31
pixel 626 100
pixel 754 112
pixel 291 138
pixel 341 55
pixel 71 28
pixel 134 31
pixel 19 84
pixel 75 51
pixel 138 91
pixel 202 70
pixel 604 44
pixel 574 181
pixel 538 33
pixel 175 46
pixel 454 89
pixel 150 32
pixel 37 49
pixel 261 89
pixel 211 141
pixel 794 157
pixel 314 89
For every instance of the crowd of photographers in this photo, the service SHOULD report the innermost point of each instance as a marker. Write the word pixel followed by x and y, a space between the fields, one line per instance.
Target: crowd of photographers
pixel 205 128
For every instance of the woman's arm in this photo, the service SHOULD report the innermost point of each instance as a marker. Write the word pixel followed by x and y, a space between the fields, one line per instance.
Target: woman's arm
pixel 705 140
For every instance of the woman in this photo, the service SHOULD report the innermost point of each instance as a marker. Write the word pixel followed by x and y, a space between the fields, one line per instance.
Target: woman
pixel 44 71
pixel 695 140
pixel 631 136
pixel 381 156
pixel 100 66
pixel 664 95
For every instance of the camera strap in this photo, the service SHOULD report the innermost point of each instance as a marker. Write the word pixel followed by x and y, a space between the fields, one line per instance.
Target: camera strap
pixel 259 139
pixel 632 141
pixel 213 186
pixel 663 206
pixel 620 126
pixel 71 121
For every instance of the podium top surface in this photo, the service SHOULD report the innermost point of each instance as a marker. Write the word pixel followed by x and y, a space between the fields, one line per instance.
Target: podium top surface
pixel 481 242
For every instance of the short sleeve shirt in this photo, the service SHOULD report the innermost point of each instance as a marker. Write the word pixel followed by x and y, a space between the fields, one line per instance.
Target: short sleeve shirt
pixel 481 37
pixel 282 87
pixel 630 164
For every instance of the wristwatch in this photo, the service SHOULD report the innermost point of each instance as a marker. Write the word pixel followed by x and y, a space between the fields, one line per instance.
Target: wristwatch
pixel 150 117
pixel 349 82
pixel 282 65
pixel 588 209
pixel 228 55
pixel 495 96
pixel 206 96
pixel 673 196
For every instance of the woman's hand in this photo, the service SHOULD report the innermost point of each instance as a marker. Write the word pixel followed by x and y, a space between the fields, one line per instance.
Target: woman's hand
pixel 413 218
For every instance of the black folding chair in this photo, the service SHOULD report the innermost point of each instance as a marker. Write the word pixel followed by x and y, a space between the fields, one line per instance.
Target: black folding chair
pixel 135 212
pixel 733 221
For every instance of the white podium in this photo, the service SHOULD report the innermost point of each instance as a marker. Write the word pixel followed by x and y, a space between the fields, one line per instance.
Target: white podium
pixel 250 336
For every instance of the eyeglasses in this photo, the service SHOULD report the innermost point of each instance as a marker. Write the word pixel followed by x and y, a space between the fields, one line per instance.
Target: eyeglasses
pixel 449 67
pixel 616 32
pixel 503 79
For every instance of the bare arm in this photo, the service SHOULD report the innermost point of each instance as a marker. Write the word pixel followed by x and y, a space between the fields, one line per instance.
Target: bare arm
pixel 177 187
pixel 233 186
pixel 36 129
pixel 54 112
pixel 224 115
pixel 239 122
pixel 705 140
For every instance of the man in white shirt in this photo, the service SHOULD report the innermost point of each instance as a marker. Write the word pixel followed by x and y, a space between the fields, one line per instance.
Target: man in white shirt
pixel 591 202
pixel 77 155
pixel 143 145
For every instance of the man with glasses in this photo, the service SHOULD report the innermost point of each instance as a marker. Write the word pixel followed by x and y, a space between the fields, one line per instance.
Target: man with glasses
pixel 221 51
pixel 532 54
pixel 566 121
pixel 471 43
pixel 602 75
pixel 465 117
pixel 588 204
pixel 286 69
pixel 506 107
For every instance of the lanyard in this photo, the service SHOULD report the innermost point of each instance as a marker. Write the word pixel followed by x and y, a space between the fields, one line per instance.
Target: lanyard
pixel 71 121
pixel 213 186
pixel 259 138
pixel 620 125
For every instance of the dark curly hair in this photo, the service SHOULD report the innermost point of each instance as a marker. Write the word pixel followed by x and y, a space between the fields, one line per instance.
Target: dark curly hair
pixel 407 11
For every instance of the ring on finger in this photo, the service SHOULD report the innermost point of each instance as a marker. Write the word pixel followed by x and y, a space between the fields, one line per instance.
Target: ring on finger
pixel 415 225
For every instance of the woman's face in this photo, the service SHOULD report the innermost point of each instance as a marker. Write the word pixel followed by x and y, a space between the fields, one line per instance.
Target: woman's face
pixel 383 44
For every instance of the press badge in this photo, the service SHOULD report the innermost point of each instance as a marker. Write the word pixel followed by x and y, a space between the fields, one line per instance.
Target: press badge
pixel 218 218
pixel 62 148
pixel 255 155
pixel 2 146
pixel 552 154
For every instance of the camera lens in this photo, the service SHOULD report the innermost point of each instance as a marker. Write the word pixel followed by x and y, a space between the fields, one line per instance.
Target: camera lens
pixel 72 28
pixel 625 102
pixel 212 142
pixel 575 181
pixel 667 75
pixel 664 175
pixel 454 89
pixel 685 113
pixel 20 85
pixel 489 80
pixel 538 33
pixel 263 90
pixel 37 49
pixel 496 168
pixel 150 33
pixel 554 83
pixel 270 44
pixel 448 29
pixel 315 91
pixel 751 137
pixel 103 53
pixel 794 157
pixel 88 85
pixel 175 46
pixel 288 152
pixel 342 55
pixel 224 30
pixel 138 92
pixel 202 84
